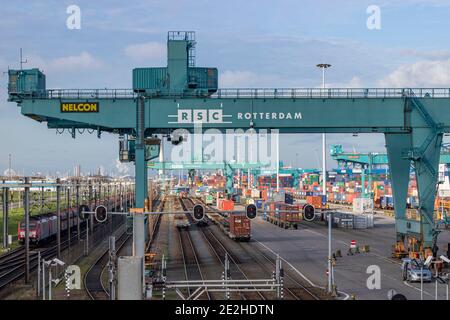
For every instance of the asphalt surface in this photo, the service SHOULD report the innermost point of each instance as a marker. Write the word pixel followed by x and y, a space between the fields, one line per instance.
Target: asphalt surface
pixel 306 250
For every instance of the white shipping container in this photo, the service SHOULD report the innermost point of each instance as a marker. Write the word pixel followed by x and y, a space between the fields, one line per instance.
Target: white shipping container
pixel 362 205
pixel 256 193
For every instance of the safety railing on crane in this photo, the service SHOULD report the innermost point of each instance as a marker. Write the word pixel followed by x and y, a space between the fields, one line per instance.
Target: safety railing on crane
pixel 252 93
pixel 298 93
pixel 90 94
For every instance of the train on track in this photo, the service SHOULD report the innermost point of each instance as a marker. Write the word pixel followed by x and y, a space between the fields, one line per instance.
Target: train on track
pixel 44 227
pixel 235 225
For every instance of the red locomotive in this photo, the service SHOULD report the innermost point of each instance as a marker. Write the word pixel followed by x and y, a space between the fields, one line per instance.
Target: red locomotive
pixel 44 227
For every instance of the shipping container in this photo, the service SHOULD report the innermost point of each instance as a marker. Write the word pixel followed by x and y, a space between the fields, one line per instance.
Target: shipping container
pixel 28 82
pixel 283 215
pixel 239 227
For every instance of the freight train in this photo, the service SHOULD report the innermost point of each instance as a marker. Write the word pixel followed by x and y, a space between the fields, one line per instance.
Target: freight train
pixel 283 215
pixel 44 227
pixel 235 225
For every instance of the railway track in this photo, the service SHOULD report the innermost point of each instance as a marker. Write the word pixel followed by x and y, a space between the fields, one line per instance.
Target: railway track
pixel 192 269
pixel 219 250
pixel 93 283
pixel 13 268
pixel 12 263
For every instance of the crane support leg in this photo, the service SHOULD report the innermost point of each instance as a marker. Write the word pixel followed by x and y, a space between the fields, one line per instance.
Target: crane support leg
pixel 141 182
pixel 399 169
pixel 421 147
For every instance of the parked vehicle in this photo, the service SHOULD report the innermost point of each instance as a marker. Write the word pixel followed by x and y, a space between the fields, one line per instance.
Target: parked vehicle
pixel 414 269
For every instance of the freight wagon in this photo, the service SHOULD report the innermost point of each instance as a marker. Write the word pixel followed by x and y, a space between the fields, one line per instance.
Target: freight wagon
pixel 44 227
pixel 234 225
pixel 283 215
pixel 181 221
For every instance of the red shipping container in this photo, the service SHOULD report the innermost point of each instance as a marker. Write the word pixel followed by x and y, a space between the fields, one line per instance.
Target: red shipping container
pixel 239 227
pixel 227 205
pixel 264 195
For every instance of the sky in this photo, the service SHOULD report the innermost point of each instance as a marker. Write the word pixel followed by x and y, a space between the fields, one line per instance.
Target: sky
pixel 253 43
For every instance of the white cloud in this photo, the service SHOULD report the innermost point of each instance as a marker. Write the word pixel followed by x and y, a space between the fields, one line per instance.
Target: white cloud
pixel 419 74
pixel 249 79
pixel 354 82
pixel 154 51
pixel 82 61
pixel 429 55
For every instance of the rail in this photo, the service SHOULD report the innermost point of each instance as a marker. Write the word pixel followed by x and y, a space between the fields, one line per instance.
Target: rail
pixel 250 93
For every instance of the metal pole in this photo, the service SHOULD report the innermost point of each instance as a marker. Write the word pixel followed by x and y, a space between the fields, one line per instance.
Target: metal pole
pixel 26 205
pixel 421 281
pixel 87 237
pixel 278 161
pixel 448 284
pixel 50 282
pixel 43 279
pixel 111 267
pixel 91 217
pixel 5 216
pixel 39 275
pixel 77 203
pixel 43 197
pixel 330 282
pixel 277 276
pixel 436 282
pixel 58 216
pixel 69 220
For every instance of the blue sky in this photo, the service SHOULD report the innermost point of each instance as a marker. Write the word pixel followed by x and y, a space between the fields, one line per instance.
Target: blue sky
pixel 254 43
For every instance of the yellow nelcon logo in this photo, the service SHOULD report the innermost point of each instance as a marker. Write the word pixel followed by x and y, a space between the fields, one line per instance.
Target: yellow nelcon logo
pixel 79 107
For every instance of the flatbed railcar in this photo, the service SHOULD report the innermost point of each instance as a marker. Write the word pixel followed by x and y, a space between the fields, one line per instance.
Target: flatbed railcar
pixel 235 225
pixel 283 215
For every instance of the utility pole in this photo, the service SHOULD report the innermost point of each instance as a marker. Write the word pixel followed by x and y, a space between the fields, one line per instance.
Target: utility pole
pixel 5 216
pixel 9 167
pixel 26 205
pixel 324 66
pixel 330 264
pixel 58 217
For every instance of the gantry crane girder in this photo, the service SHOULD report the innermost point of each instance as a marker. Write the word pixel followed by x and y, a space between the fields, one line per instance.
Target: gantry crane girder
pixel 374 158
pixel 412 120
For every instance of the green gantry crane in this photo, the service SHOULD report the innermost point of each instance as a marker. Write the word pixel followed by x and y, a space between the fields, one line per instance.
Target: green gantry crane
pixel 183 96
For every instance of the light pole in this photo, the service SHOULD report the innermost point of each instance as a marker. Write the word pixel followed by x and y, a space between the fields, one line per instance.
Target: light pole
pixel 324 66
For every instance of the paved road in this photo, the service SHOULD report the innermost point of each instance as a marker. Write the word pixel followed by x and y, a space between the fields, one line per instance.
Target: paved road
pixel 306 250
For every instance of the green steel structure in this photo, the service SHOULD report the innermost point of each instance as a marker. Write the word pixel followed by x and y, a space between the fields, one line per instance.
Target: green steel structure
pixel 338 154
pixel 371 159
pixel 228 168
pixel 182 96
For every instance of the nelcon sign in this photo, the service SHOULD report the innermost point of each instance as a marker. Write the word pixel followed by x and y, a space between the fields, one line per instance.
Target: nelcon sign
pixel 79 107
